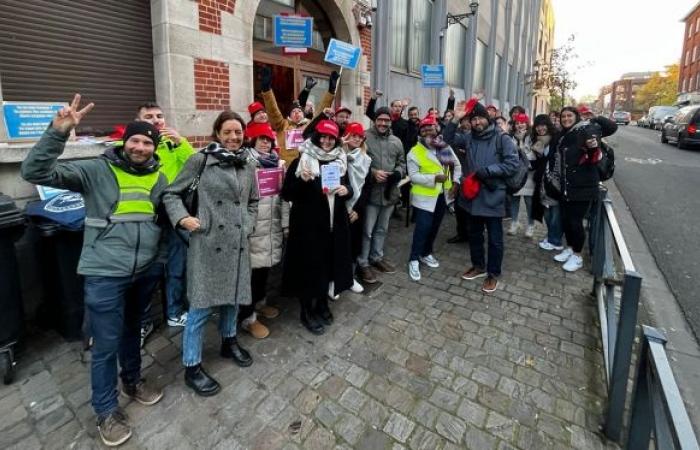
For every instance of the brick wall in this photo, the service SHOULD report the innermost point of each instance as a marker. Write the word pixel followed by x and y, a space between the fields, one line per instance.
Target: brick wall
pixel 366 43
pixel 199 141
pixel 211 85
pixel 210 14
pixel 690 67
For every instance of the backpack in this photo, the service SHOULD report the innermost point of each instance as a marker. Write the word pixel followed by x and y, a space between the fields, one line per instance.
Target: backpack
pixel 516 181
pixel 606 166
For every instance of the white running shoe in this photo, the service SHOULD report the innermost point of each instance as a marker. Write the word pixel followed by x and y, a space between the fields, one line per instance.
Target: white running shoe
pixel 529 231
pixel 178 321
pixel 564 255
pixel 572 264
pixel 357 287
pixel 414 270
pixel 546 245
pixel 430 261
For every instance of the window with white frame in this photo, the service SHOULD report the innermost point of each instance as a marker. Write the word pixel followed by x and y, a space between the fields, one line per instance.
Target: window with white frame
pixel 690 29
pixel 399 33
pixel 687 57
pixel 480 65
pixel 410 29
pixel 697 24
pixel 691 85
pixel 454 55
pixel 683 88
pixel 420 40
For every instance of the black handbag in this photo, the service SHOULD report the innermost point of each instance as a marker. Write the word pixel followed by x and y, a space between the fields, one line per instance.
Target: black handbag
pixel 191 197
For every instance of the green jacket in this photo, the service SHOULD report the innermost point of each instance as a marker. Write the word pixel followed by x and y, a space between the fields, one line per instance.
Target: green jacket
pixel 120 249
pixel 387 154
pixel 173 158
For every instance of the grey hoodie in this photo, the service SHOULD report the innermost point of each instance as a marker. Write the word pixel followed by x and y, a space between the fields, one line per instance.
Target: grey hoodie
pixel 120 249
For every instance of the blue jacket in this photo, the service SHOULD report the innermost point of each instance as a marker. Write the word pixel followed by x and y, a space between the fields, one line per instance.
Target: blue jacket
pixel 483 153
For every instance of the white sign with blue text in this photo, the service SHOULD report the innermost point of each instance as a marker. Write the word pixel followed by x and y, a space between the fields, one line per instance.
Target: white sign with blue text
pixel 343 54
pixel 293 31
pixel 433 76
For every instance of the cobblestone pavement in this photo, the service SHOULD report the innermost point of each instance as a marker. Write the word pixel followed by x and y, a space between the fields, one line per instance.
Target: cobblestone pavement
pixel 429 365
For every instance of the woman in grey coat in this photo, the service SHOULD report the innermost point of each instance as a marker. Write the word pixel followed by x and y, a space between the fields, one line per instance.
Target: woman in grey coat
pixel 218 257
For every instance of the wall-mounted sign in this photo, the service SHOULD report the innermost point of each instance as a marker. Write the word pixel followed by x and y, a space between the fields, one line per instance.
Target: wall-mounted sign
pixel 343 54
pixel 293 31
pixel 433 76
pixel 28 120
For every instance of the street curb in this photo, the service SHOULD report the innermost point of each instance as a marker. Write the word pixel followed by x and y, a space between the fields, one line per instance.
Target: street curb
pixel 660 309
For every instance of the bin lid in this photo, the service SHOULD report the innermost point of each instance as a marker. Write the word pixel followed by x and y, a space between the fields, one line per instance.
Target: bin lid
pixel 10 215
pixel 65 211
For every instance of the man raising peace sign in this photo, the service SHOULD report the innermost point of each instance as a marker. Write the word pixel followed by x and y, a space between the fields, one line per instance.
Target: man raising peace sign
pixel 121 190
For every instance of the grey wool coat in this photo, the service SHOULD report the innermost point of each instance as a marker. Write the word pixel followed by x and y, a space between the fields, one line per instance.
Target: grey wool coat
pixel 218 256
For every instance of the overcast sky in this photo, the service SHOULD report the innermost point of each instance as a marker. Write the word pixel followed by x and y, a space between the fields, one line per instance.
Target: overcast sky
pixel 618 36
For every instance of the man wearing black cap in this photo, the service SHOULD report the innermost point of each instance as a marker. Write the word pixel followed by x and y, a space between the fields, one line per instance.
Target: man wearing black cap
pixel 121 190
pixel 492 158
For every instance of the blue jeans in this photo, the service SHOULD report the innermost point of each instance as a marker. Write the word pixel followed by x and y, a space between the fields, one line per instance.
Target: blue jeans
pixel 494 227
pixel 515 208
pixel 192 336
pixel 175 275
pixel 426 229
pixel 552 217
pixel 376 225
pixel 115 306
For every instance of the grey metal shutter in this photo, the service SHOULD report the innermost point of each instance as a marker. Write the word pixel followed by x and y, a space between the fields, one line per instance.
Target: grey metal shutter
pixel 51 49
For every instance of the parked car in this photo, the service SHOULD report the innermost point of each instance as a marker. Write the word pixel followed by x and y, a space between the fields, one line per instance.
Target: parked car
pixel 659 115
pixel 643 122
pixel 683 128
pixel 622 117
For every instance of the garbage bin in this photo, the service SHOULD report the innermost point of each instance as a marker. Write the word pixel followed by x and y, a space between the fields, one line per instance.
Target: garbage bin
pixel 11 308
pixel 59 224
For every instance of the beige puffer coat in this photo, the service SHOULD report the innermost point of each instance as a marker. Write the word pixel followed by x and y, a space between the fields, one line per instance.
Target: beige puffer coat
pixel 267 240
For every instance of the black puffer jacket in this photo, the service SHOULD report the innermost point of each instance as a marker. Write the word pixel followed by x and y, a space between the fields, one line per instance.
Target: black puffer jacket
pixel 580 180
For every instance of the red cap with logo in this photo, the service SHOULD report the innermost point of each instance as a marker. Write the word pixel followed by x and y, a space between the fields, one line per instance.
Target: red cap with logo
pixel 255 108
pixel 256 130
pixel 521 118
pixel 355 128
pixel 583 109
pixel 327 127
pixel 428 120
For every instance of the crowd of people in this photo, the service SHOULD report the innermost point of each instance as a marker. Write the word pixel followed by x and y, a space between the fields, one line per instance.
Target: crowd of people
pixel 314 192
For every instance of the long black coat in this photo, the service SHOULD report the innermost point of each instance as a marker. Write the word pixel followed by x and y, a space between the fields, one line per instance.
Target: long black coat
pixel 315 255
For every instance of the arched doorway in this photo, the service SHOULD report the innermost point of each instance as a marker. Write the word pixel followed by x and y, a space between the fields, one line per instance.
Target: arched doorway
pixel 290 71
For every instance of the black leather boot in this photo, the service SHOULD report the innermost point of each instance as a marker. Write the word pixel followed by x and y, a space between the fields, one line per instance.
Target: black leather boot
pixel 323 312
pixel 231 349
pixel 308 319
pixel 200 382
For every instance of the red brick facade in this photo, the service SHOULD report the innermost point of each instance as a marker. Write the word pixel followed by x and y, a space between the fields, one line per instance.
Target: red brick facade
pixel 199 141
pixel 689 80
pixel 211 85
pixel 210 14
pixel 366 43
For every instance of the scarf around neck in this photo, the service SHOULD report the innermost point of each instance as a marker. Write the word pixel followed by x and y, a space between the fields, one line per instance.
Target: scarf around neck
pixel 266 160
pixel 358 168
pixel 237 159
pixel 311 155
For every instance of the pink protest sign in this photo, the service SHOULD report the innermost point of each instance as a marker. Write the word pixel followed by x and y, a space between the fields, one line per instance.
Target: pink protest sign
pixel 270 181
pixel 294 138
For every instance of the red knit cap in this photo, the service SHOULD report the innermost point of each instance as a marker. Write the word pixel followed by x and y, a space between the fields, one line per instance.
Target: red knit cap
pixel 256 130
pixel 521 118
pixel 327 127
pixel 355 128
pixel 255 108
pixel 427 121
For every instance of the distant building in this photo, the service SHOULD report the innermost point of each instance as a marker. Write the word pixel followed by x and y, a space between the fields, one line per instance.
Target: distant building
pixel 543 58
pixel 689 78
pixel 620 94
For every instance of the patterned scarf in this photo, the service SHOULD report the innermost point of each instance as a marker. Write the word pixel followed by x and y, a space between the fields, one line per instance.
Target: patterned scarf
pixel 267 160
pixel 311 155
pixel 237 159
pixel 358 167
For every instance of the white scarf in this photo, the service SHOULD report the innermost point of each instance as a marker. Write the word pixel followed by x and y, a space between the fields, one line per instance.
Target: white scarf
pixel 358 167
pixel 311 155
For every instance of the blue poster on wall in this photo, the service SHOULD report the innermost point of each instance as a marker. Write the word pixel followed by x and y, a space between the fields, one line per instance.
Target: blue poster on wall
pixel 293 31
pixel 343 54
pixel 433 76
pixel 28 120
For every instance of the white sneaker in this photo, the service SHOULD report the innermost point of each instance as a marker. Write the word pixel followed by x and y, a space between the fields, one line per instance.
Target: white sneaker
pixel 572 264
pixel 430 261
pixel 546 245
pixel 513 228
pixel 414 270
pixel 357 287
pixel 529 231
pixel 564 255
pixel 178 321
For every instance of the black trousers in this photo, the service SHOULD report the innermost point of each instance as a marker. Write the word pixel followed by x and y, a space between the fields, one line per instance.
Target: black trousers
pixel 258 286
pixel 572 214
pixel 462 217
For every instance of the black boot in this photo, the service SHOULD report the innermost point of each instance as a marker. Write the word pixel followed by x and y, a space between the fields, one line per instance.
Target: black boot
pixel 308 319
pixel 200 382
pixel 231 349
pixel 323 312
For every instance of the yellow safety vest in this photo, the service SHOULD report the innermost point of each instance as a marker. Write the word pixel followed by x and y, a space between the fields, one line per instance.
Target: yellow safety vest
pixel 429 167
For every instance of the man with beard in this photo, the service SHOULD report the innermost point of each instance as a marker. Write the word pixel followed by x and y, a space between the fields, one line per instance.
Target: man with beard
pixel 122 191
pixel 492 158
pixel 387 169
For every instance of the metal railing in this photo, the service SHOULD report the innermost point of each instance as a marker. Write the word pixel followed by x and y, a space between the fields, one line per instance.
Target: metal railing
pixel 617 287
pixel 657 404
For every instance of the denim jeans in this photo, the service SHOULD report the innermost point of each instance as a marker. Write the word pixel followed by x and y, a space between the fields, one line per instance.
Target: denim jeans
pixel 192 336
pixel 515 208
pixel 494 227
pixel 426 229
pixel 115 306
pixel 175 275
pixel 552 217
pixel 376 225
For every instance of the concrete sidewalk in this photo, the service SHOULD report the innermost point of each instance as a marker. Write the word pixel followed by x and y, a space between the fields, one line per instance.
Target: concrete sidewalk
pixel 429 365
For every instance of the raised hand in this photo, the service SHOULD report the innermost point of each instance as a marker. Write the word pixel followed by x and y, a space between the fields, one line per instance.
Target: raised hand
pixel 70 116
pixel 378 93
pixel 306 174
pixel 310 83
pixel 171 134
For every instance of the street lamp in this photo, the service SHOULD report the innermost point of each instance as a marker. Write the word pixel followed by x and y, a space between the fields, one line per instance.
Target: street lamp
pixel 457 18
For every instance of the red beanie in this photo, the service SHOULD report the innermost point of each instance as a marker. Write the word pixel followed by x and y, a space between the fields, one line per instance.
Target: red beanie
pixel 255 108
pixel 327 127
pixel 355 128
pixel 521 118
pixel 256 130
pixel 427 121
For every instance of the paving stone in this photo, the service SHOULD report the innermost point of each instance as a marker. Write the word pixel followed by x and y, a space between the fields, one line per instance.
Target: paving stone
pixel 399 427
pixel 11 435
pixel 475 439
pixel 485 376
pixel 53 420
pixel 472 413
pixel 374 440
pixel 450 427
pixel 353 399
pixel 465 387
pixel 328 413
pixel 350 428
pixel 500 426
pixel 357 376
pixel 423 439
pixel 445 399
pixel 425 414
pixel 375 413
